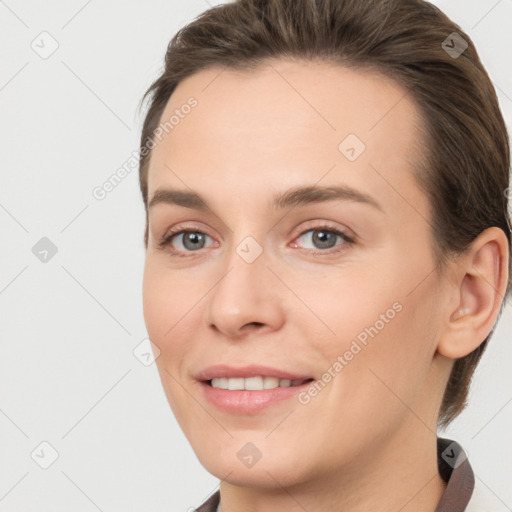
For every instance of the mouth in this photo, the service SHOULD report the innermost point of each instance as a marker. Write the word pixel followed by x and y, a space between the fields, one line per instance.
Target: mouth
pixel 249 389
pixel 254 383
pixel 250 395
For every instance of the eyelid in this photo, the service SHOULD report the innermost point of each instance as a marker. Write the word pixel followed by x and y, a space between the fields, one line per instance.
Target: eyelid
pixel 318 225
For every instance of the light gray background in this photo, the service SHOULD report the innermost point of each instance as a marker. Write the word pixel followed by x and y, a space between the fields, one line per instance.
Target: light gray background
pixel 68 375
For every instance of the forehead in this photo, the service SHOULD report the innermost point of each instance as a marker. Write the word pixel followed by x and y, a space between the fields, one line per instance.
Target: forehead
pixel 290 122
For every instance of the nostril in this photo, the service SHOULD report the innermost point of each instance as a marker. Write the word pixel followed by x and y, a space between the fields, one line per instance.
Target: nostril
pixel 257 324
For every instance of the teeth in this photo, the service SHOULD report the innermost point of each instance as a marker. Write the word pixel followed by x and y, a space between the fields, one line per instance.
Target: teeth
pixel 270 382
pixel 253 383
pixel 234 384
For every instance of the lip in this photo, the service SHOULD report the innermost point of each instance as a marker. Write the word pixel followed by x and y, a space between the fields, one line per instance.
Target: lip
pixel 222 370
pixel 248 401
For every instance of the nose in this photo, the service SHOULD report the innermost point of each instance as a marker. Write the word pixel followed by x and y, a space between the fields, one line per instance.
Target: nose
pixel 247 298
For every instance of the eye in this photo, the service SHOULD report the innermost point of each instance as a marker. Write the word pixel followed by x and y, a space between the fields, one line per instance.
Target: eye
pixel 324 238
pixel 183 241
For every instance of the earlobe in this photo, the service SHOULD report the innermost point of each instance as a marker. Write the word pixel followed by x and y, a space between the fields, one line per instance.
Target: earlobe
pixel 482 275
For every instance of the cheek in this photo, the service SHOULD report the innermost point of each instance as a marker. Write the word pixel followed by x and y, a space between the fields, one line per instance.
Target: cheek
pixel 348 303
pixel 382 331
pixel 396 358
pixel 170 308
pixel 162 308
pixel 154 302
pixel 166 299
pixel 165 295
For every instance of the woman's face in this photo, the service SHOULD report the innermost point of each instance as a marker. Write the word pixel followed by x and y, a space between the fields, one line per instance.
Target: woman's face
pixel 336 285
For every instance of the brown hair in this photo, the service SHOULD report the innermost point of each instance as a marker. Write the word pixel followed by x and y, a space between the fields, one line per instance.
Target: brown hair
pixel 464 170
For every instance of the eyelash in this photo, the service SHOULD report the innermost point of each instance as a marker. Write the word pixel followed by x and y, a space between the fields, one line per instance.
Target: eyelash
pixel 349 241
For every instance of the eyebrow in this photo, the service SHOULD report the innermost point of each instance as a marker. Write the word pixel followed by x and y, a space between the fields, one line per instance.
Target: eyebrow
pixel 297 196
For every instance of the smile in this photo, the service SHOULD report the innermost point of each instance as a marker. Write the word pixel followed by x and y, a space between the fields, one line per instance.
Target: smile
pixel 247 396
pixel 255 383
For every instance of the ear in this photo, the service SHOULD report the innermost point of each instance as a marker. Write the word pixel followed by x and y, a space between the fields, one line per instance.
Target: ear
pixel 479 282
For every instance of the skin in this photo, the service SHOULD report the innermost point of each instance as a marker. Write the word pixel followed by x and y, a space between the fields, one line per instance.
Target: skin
pixel 367 440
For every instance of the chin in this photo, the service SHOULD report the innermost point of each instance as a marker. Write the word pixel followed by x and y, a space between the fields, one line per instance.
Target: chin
pixel 244 464
pixel 259 476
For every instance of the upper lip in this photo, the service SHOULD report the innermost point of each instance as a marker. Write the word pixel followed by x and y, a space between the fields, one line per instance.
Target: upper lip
pixel 222 370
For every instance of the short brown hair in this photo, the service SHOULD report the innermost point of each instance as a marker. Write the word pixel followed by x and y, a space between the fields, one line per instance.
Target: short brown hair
pixel 464 171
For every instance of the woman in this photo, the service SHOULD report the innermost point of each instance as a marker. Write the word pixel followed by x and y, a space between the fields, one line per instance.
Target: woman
pixel 327 250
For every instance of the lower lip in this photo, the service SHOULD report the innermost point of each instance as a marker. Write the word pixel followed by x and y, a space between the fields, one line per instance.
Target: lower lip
pixel 246 401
